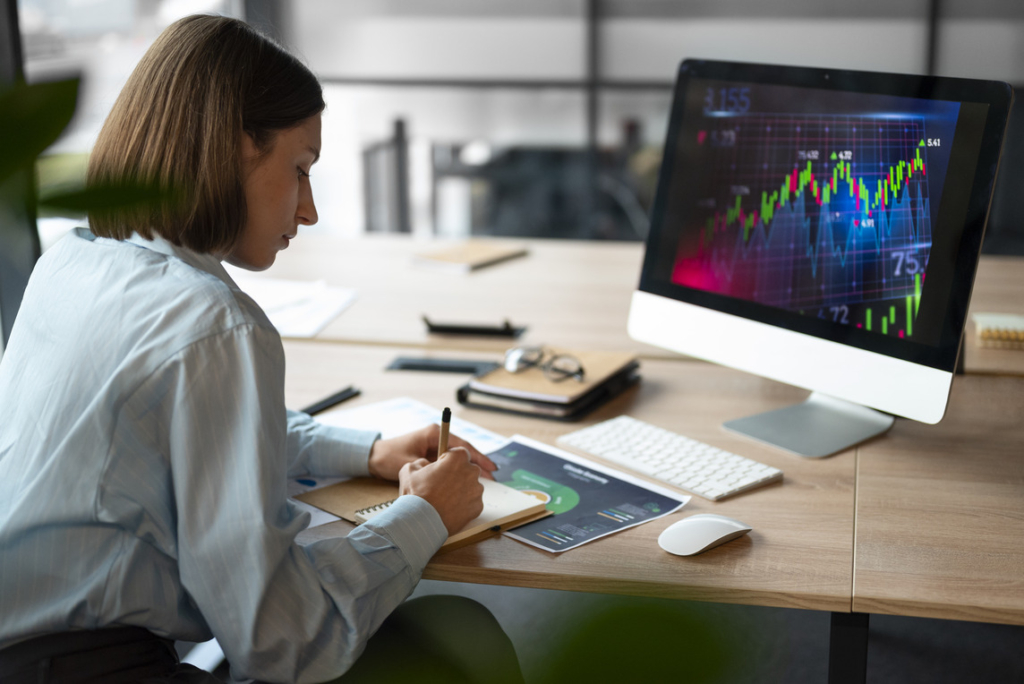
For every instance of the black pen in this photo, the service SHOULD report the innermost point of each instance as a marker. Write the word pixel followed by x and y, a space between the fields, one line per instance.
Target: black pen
pixel 332 400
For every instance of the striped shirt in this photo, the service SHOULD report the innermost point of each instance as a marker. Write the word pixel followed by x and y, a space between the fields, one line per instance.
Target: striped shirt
pixel 144 454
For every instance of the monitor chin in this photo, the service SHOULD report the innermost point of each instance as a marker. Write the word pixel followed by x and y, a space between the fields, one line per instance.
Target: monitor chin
pixel 847 381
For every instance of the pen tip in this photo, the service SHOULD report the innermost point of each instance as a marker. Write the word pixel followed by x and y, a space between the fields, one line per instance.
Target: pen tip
pixel 446 415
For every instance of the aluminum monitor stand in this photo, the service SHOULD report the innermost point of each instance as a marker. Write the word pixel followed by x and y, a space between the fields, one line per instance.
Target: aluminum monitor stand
pixel 820 426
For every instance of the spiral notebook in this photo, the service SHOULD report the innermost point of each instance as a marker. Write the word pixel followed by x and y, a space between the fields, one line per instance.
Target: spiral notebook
pixel 360 499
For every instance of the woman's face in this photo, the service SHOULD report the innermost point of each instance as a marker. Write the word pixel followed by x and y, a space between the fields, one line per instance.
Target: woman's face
pixel 277 194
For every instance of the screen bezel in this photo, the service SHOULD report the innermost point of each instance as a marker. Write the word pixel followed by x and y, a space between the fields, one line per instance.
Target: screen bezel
pixel 997 96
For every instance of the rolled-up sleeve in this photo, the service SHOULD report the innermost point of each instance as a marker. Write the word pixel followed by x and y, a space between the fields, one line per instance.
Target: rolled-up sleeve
pixel 280 612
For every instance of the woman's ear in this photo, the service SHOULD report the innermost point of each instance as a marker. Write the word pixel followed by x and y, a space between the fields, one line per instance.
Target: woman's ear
pixel 250 152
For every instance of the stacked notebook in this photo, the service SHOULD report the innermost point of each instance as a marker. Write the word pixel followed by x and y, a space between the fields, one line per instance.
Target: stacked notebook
pixel 530 392
pixel 999 331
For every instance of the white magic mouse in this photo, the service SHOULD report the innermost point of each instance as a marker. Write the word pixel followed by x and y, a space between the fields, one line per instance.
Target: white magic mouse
pixel 699 533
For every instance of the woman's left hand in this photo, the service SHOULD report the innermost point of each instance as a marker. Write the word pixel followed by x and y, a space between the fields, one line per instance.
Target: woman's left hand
pixel 389 455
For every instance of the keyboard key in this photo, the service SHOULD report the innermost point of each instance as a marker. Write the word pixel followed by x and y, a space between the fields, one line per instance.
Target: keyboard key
pixel 683 462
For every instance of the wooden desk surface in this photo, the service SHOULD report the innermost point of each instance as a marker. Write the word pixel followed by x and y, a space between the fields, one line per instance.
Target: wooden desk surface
pixel 568 293
pixel 999 288
pixel 573 294
pixel 799 555
pixel 940 510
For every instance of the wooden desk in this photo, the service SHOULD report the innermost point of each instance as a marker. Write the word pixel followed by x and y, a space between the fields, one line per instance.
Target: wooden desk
pixel 568 293
pixel 800 554
pixel 940 511
pixel 999 287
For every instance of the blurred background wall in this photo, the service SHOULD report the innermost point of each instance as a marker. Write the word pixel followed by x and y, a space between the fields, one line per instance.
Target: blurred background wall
pixel 522 117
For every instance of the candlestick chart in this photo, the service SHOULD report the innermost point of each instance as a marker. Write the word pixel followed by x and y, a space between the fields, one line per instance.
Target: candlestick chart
pixel 827 215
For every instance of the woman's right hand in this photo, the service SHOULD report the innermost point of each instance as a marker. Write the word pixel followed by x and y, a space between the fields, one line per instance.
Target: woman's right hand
pixel 451 484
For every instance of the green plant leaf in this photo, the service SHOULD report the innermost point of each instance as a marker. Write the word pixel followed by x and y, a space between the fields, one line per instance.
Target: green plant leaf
pixel 635 640
pixel 32 117
pixel 107 197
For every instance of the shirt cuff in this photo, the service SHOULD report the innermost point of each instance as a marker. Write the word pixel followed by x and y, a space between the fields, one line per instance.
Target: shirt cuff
pixel 414 526
pixel 326 450
pixel 350 455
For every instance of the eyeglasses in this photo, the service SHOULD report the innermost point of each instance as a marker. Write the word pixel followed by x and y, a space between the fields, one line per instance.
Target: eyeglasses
pixel 556 367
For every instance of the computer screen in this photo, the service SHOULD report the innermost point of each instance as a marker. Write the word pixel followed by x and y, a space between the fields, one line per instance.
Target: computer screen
pixel 844 210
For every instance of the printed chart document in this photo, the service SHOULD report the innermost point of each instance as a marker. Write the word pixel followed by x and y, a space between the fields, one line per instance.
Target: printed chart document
pixel 589 500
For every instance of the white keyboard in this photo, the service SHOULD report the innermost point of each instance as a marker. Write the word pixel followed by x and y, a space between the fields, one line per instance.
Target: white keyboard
pixel 679 461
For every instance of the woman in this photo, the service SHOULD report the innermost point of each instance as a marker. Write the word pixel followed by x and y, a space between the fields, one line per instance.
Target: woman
pixel 145 444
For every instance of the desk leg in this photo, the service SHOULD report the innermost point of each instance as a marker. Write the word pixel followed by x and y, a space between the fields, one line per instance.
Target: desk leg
pixel 848 649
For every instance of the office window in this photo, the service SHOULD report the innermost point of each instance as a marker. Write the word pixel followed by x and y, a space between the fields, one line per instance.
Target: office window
pixel 452 144
pixel 466 118
pixel 101 41
pixel 614 60
pixel 558 106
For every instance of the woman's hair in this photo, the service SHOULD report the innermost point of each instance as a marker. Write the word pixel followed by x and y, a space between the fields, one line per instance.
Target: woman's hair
pixel 178 125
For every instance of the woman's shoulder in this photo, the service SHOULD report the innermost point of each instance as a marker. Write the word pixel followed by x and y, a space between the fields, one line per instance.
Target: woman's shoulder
pixel 155 285
pixel 205 292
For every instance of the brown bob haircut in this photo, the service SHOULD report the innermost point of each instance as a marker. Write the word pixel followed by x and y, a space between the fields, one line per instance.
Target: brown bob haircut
pixel 178 125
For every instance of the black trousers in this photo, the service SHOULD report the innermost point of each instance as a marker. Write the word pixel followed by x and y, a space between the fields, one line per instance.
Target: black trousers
pixel 447 639
pixel 120 655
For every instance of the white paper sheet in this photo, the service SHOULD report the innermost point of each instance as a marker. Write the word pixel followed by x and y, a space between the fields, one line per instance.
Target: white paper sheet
pixel 602 505
pixel 398 416
pixel 296 308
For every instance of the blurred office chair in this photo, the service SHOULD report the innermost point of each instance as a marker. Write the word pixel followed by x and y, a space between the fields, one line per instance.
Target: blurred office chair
pixel 386 183
pixel 1005 232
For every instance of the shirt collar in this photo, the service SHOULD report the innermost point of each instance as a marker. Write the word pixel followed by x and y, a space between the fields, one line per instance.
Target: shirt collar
pixel 204 262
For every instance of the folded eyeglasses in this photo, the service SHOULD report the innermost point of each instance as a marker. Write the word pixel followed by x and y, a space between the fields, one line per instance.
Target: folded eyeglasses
pixel 556 367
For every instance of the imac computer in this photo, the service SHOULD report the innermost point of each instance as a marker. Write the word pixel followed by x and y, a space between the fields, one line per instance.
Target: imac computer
pixel 822 228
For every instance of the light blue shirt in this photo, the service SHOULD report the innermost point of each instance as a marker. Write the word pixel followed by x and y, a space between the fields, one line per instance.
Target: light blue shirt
pixel 144 453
